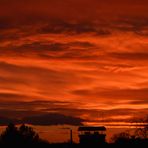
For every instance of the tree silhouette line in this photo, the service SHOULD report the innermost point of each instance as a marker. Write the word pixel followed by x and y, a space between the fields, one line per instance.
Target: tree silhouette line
pixel 139 138
pixel 25 136
pixel 22 136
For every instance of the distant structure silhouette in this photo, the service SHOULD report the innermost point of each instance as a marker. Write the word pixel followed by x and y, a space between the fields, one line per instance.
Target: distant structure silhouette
pixel 24 136
pixel 92 135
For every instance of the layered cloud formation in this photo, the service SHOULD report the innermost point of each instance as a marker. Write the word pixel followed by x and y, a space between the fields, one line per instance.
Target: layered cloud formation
pixel 87 59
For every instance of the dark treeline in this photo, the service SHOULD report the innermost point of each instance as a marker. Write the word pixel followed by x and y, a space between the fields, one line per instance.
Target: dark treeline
pixel 25 136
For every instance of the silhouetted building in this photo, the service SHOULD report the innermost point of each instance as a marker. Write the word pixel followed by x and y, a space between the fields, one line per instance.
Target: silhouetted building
pixel 92 135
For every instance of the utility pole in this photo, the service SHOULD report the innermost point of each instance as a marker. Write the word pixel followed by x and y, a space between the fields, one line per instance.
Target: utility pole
pixel 71 136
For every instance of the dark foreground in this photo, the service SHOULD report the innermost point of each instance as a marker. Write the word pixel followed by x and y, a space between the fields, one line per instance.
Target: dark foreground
pixel 25 137
pixel 67 145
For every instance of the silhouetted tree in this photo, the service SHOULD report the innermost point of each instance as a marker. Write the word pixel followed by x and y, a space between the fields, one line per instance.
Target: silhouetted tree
pixel 135 140
pixel 22 136
pixel 10 135
pixel 121 138
pixel 142 133
pixel 28 135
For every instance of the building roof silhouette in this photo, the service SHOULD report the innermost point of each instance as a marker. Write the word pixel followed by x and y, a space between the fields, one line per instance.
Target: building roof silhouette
pixel 91 128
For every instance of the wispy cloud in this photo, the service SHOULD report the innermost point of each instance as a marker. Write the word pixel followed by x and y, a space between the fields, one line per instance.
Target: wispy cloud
pixel 81 58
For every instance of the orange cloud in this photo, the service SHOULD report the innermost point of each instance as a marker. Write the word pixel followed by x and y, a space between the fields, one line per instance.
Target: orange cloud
pixel 89 57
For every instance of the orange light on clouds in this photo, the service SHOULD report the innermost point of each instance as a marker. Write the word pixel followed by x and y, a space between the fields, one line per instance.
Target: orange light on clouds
pixel 79 58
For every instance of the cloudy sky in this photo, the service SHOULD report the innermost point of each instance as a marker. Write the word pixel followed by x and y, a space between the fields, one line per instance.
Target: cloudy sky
pixel 82 58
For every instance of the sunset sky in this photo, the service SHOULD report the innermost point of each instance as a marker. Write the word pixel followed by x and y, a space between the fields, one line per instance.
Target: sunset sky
pixel 81 58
